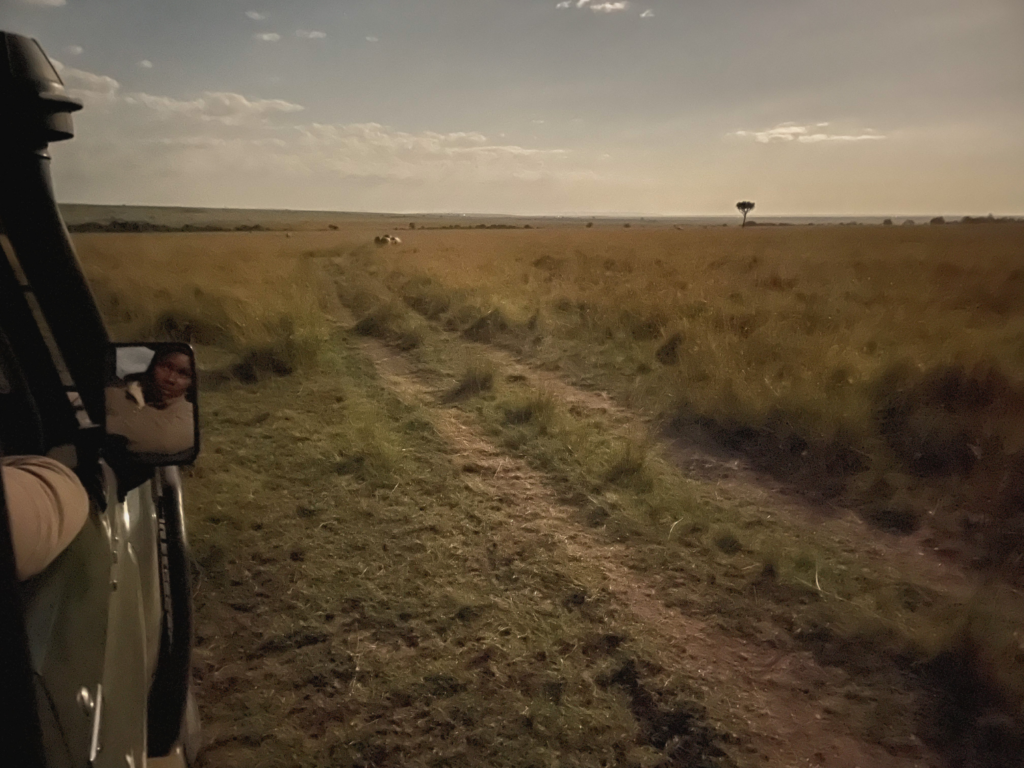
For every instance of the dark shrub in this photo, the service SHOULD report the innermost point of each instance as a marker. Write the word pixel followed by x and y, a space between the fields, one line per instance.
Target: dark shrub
pixel 668 353
pixel 488 328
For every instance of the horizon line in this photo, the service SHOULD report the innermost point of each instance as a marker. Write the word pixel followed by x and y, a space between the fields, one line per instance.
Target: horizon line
pixel 564 215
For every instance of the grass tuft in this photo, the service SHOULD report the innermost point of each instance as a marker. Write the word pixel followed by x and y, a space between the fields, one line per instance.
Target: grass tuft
pixel 391 324
pixel 426 296
pixel 478 378
pixel 629 465
pixel 538 409
pixel 488 328
pixel 727 542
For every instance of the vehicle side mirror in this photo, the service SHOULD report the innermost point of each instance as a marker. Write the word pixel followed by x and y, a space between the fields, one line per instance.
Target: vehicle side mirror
pixel 152 413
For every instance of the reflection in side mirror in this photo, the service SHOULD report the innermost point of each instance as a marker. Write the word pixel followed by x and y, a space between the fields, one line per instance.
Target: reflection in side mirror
pixel 152 414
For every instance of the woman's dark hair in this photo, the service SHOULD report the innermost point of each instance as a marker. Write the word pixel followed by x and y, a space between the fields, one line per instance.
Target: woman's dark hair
pixel 164 352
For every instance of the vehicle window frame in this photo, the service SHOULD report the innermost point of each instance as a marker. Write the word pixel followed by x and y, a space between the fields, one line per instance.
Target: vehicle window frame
pixel 28 346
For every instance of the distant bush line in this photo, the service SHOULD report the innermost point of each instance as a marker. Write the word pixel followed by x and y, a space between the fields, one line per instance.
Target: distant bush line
pixel 117 225
pixel 888 222
pixel 477 226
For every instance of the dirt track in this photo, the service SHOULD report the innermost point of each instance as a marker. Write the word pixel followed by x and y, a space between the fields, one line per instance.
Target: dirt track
pixel 778 700
pixel 346 619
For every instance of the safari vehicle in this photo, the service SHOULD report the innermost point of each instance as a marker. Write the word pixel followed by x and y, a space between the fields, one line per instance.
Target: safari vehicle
pixel 96 649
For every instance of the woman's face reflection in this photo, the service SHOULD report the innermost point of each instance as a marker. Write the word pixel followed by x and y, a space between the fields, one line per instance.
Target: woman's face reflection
pixel 173 376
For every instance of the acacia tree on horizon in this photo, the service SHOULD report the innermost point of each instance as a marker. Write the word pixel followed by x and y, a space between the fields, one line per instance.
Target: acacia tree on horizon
pixel 745 207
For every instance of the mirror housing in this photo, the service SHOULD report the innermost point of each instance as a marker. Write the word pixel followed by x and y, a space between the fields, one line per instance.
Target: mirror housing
pixel 152 414
pixel 36 107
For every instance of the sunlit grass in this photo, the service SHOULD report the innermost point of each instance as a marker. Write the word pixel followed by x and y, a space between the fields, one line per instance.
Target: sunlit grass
pixel 795 344
pixel 881 367
pixel 239 292
pixel 788 341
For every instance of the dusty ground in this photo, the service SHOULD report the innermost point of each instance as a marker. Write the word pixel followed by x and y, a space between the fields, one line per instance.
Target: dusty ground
pixel 769 690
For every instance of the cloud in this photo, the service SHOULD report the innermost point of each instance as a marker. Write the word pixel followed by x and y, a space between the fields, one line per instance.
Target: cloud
pixel 87 86
pixel 179 158
pixel 256 15
pixel 648 14
pixel 310 34
pixel 373 149
pixel 231 109
pixel 814 138
pixel 372 39
pixel 215 106
pixel 596 7
pixel 225 148
pixel 267 37
pixel 74 50
pixel 806 134
pixel 46 3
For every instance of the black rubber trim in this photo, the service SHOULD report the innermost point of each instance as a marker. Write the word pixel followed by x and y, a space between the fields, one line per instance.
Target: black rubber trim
pixel 168 695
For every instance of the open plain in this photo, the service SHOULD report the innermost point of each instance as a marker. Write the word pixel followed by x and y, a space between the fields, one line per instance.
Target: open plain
pixel 537 493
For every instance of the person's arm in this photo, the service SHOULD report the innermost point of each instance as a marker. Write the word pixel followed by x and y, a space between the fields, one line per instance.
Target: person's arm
pixel 47 506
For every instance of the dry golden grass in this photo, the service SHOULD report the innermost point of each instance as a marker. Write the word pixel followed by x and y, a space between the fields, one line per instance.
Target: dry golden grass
pixel 880 366
pixel 239 292
pixel 791 334
pixel 876 364
pixel 881 363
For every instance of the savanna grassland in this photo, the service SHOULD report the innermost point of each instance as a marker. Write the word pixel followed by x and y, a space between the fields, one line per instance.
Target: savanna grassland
pixel 878 365
pixel 575 495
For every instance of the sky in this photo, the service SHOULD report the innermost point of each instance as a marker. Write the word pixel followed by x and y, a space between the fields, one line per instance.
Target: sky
pixel 541 107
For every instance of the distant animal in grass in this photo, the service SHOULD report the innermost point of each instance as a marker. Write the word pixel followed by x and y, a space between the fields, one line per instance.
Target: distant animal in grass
pixel 387 240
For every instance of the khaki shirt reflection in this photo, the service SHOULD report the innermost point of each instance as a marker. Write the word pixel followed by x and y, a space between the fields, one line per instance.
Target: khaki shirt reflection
pixel 168 430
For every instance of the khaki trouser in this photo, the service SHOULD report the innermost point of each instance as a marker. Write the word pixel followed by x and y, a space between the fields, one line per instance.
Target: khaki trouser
pixel 47 506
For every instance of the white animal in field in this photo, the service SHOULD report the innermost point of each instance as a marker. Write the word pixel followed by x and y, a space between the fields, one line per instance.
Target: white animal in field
pixel 386 240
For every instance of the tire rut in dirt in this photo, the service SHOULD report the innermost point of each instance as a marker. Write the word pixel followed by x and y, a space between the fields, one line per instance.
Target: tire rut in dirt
pixel 678 730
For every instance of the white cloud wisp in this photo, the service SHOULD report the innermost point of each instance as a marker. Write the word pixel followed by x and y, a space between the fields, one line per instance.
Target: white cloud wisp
pixel 87 86
pixel 606 7
pixel 806 134
pixel 215 106
pixel 244 151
